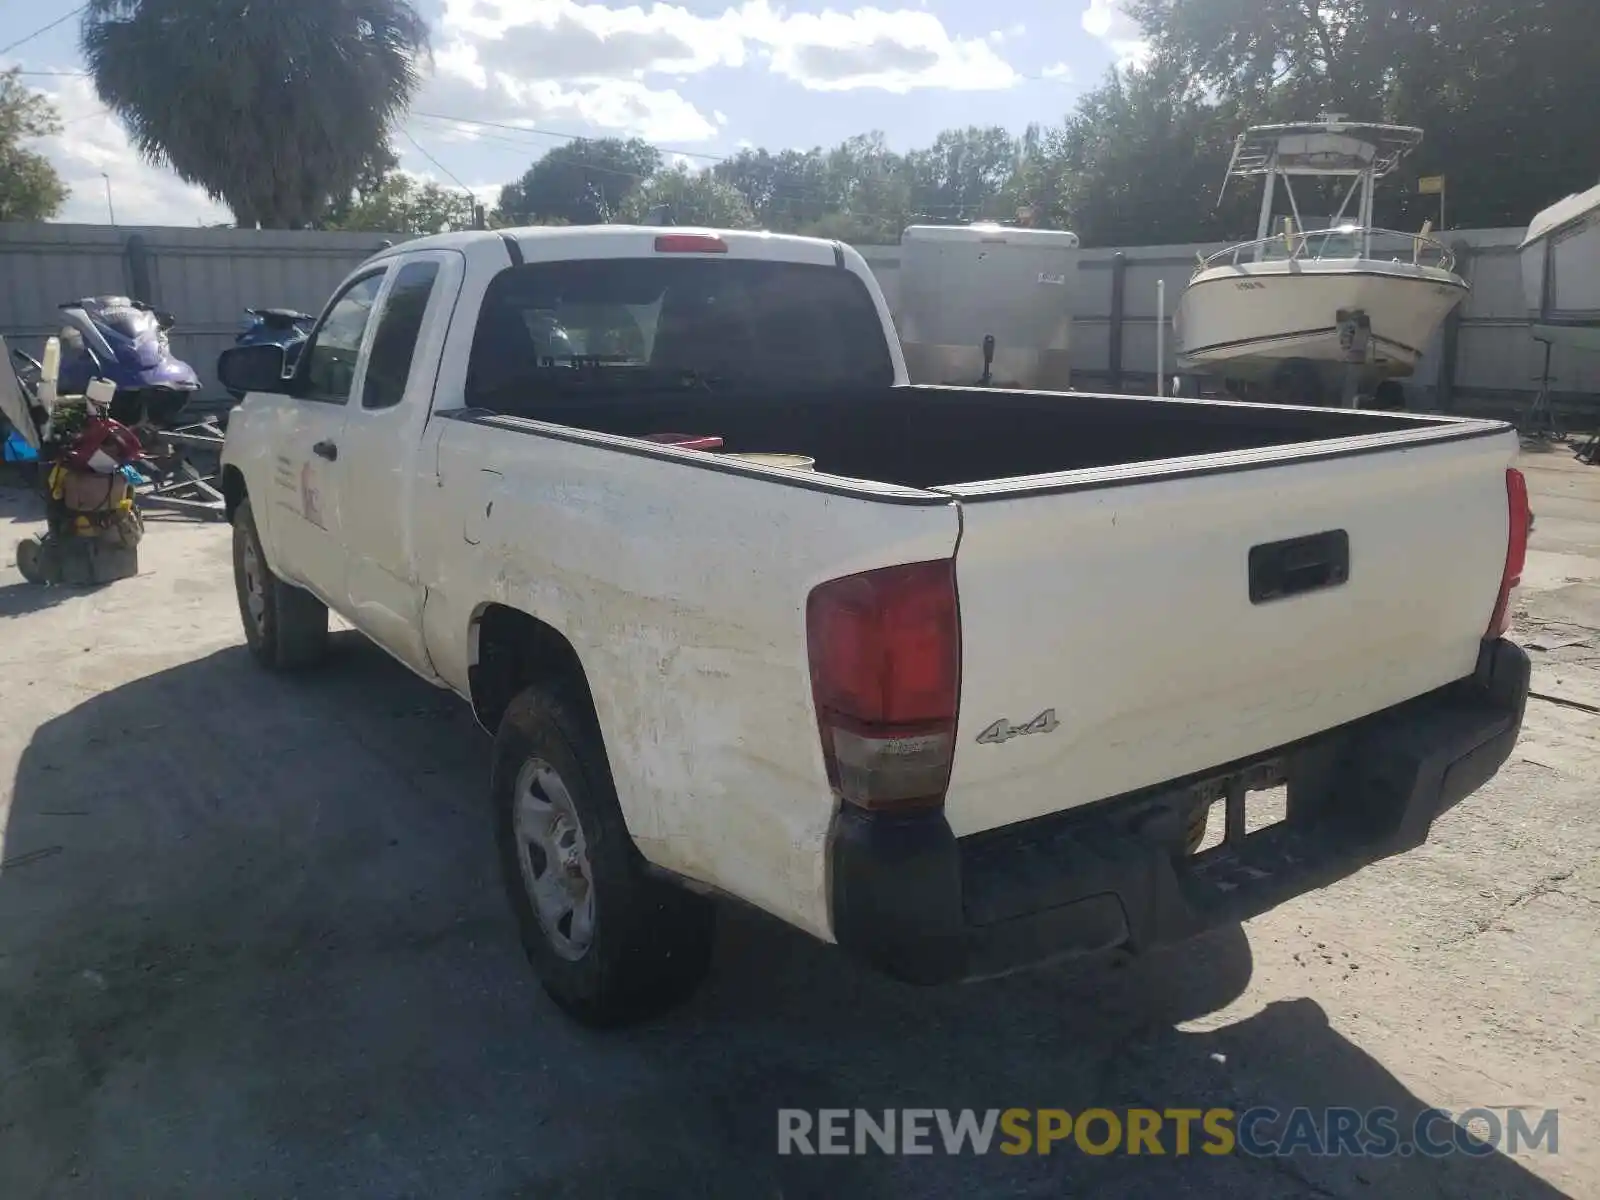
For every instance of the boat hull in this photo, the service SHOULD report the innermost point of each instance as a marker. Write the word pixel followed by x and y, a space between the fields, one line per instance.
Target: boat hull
pixel 1245 322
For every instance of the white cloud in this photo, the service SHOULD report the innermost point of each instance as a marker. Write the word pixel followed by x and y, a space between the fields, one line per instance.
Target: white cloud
pixel 1105 20
pixel 92 148
pixel 1058 70
pixel 506 48
pixel 872 48
pixel 564 39
pixel 623 106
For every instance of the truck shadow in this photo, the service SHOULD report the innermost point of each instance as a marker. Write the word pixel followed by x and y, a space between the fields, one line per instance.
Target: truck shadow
pixel 252 940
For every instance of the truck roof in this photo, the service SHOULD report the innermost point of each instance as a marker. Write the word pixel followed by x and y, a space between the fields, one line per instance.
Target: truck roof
pixel 555 242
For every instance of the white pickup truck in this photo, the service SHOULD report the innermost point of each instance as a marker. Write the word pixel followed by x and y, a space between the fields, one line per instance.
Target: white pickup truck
pixel 957 695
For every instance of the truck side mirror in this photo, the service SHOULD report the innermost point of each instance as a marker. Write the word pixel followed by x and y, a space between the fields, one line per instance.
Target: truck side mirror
pixel 261 368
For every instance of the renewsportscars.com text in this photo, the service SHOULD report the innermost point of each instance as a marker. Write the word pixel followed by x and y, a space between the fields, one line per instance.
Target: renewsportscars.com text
pixel 1254 1132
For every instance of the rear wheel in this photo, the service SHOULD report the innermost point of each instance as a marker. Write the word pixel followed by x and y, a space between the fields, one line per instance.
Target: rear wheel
pixel 285 627
pixel 1390 396
pixel 610 943
pixel 1297 382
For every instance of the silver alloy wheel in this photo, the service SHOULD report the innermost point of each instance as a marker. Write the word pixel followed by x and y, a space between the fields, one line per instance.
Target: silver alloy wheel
pixel 254 586
pixel 554 859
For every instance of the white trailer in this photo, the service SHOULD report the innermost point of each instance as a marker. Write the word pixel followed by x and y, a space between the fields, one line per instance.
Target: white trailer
pixel 989 304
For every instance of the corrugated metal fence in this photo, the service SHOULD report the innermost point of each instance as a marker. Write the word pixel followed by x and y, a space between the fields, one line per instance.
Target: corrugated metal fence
pixel 206 277
pixel 1483 361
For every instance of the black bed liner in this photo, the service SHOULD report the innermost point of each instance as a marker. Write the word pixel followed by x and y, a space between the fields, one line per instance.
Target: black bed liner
pixel 912 444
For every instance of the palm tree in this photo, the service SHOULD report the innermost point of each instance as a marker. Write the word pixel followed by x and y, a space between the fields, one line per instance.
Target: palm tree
pixel 271 106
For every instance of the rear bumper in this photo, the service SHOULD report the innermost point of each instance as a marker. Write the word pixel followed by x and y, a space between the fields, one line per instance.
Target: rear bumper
pixel 915 902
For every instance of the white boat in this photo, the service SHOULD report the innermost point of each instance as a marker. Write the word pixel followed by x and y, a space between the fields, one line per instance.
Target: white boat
pixel 1315 309
pixel 1561 272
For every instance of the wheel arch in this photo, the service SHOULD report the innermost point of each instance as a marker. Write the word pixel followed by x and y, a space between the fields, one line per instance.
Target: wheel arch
pixel 511 650
pixel 233 490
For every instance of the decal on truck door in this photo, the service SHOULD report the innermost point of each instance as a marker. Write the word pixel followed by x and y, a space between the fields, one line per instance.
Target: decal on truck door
pixel 310 497
pixel 1002 731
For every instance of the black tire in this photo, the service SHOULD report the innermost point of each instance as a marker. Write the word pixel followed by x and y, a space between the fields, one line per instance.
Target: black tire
pixel 649 942
pixel 33 561
pixel 1297 382
pixel 285 627
pixel 1389 396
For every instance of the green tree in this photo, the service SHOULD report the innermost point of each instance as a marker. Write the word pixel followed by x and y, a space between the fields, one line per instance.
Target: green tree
pixel 962 175
pixel 375 173
pixel 1506 93
pixel 866 189
pixel 1313 54
pixel 692 198
pixel 1142 159
pixel 30 189
pixel 1502 88
pixel 273 109
pixel 1038 185
pixel 401 204
pixel 785 191
pixel 583 182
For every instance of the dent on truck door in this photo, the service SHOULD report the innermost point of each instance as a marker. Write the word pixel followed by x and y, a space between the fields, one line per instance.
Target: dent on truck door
pixel 308 474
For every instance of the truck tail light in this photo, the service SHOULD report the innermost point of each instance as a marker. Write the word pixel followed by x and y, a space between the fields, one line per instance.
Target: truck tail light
pixel 1516 551
pixel 690 243
pixel 885 650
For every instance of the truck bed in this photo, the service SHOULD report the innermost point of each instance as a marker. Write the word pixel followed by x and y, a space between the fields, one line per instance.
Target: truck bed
pixel 934 437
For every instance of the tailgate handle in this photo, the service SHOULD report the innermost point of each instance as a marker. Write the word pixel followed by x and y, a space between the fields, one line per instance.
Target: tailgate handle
pixel 1279 570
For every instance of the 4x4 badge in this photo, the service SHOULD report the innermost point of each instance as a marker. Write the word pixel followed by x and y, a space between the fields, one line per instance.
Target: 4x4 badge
pixel 1002 731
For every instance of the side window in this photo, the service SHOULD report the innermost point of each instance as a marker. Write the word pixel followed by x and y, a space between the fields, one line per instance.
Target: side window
pixel 330 359
pixel 395 342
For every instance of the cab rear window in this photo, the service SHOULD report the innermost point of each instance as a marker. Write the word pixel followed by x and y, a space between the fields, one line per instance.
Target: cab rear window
pixel 654 323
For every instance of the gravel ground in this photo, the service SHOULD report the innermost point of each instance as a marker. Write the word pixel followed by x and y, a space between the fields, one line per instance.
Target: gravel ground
pixel 252 943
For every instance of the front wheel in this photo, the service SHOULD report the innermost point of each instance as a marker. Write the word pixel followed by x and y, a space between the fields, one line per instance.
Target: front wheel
pixel 34 561
pixel 285 627
pixel 610 943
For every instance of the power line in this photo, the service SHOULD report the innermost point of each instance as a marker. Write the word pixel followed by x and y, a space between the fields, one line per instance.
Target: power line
pixel 573 137
pixel 422 151
pixel 46 29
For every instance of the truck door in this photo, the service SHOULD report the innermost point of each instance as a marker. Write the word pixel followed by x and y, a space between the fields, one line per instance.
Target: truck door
pixel 378 458
pixel 307 545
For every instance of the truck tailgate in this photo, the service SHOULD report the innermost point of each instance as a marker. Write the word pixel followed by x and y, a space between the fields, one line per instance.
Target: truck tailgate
pixel 1110 639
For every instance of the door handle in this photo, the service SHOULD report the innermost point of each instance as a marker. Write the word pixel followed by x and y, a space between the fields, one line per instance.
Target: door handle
pixel 326 450
pixel 1306 564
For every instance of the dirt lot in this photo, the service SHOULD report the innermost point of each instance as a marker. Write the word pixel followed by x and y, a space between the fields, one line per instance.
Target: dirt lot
pixel 252 944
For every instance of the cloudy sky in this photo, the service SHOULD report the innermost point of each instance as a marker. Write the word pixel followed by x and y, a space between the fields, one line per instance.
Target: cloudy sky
pixel 701 77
